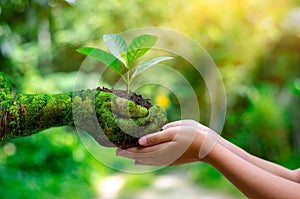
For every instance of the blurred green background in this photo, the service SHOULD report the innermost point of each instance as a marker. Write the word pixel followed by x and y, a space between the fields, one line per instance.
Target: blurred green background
pixel 255 44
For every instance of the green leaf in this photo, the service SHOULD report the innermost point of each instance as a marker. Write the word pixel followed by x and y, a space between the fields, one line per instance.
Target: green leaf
pixel 139 46
pixel 116 45
pixel 104 57
pixel 147 64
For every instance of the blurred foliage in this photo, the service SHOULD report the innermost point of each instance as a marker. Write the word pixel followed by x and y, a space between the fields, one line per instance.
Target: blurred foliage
pixel 255 44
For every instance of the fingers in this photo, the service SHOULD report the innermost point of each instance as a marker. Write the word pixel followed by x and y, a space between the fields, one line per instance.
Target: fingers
pixel 158 155
pixel 147 155
pixel 157 138
pixel 182 123
pixel 172 124
pixel 137 150
pixel 141 163
pixel 191 123
pixel 137 162
pixel 165 147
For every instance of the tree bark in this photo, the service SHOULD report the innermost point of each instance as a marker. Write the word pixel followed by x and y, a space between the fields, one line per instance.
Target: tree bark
pixel 110 120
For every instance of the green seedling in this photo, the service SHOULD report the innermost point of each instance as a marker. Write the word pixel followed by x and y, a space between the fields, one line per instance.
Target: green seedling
pixel 123 56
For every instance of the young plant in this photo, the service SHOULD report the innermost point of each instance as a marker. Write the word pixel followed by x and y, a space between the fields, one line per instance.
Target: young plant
pixel 123 56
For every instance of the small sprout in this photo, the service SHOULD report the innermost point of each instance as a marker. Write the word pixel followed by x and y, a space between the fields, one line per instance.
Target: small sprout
pixel 122 56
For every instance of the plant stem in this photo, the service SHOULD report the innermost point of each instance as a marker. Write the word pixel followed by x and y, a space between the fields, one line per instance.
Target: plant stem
pixel 128 82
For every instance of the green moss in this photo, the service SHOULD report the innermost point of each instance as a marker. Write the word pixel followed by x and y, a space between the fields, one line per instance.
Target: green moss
pixel 4 85
pixel 111 120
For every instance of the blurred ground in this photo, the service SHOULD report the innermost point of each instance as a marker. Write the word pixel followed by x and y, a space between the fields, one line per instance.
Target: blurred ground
pixel 175 187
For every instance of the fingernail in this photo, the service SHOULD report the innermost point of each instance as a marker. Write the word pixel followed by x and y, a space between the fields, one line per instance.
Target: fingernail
pixel 163 127
pixel 143 141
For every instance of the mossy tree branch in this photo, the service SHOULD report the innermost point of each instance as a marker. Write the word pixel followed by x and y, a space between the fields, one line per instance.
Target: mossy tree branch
pixel 109 119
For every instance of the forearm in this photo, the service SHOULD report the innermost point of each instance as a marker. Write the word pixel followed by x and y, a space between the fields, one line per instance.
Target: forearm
pixel 293 175
pixel 253 181
pixel 263 164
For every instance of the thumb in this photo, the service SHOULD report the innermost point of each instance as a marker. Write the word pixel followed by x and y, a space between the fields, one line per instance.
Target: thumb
pixel 128 108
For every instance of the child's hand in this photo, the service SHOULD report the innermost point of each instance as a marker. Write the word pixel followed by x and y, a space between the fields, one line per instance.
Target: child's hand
pixel 178 143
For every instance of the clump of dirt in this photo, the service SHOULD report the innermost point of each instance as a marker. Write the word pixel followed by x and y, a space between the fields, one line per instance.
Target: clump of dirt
pixel 136 98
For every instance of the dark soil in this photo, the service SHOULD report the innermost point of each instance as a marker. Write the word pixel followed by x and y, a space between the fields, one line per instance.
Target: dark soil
pixel 138 99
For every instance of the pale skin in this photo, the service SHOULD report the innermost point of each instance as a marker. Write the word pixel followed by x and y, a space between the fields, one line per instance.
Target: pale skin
pixel 180 143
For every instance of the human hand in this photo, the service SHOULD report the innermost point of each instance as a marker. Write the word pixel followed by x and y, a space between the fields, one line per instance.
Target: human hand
pixel 191 123
pixel 210 139
pixel 178 143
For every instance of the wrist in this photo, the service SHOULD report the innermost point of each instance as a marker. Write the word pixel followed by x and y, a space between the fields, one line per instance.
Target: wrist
pixel 211 157
pixel 209 140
